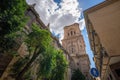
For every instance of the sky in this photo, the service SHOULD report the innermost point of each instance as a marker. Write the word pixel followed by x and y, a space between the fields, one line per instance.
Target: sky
pixel 60 13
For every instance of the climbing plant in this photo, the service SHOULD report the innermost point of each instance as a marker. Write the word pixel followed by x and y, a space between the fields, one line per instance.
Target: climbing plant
pixel 52 63
pixel 36 42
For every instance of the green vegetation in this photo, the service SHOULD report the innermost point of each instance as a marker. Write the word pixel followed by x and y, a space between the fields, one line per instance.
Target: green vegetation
pixel 60 68
pixel 77 75
pixel 12 20
pixel 37 42
pixel 52 63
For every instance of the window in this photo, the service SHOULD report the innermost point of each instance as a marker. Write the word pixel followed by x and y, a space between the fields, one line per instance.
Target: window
pixel 71 33
pixel 68 34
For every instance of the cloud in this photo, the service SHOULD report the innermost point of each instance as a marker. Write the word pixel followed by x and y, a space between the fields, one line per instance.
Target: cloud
pixel 66 13
pixel 82 24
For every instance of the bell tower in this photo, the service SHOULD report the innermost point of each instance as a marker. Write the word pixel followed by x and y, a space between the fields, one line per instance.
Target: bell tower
pixel 73 40
pixel 74 44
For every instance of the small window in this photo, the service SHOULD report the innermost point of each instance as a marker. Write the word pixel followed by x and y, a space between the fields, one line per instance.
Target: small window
pixel 68 34
pixel 71 33
pixel 72 50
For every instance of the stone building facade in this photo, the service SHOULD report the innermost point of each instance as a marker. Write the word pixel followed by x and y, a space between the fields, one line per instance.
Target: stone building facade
pixel 73 42
pixel 103 27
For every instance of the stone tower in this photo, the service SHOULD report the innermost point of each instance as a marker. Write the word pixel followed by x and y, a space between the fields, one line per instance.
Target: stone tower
pixel 73 43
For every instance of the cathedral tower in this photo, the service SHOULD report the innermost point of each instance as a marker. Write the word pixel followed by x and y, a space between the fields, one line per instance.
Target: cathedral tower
pixel 73 43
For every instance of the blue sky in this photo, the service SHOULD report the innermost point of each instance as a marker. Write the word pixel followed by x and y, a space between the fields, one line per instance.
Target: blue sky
pixel 85 4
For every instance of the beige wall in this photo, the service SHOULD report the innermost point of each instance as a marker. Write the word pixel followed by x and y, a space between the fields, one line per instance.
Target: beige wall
pixel 106 22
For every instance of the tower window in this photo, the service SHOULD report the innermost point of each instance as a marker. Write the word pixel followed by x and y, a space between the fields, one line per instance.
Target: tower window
pixel 71 33
pixel 68 34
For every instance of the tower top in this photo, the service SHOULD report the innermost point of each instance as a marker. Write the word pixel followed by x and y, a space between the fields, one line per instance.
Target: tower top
pixel 75 24
pixel 71 31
